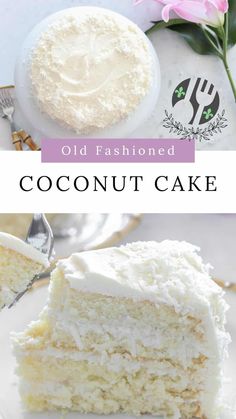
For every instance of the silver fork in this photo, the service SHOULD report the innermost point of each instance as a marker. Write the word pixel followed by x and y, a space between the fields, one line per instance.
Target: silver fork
pixel 7 109
pixel 39 236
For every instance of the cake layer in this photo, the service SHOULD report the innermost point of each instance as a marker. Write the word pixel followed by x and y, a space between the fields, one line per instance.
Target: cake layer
pixel 19 246
pixel 16 272
pixel 115 362
pixel 120 325
pixel 132 386
pixel 105 323
pixel 165 272
pixel 171 345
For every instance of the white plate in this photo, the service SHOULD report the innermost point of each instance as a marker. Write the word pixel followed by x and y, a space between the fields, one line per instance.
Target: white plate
pixel 26 310
pixel 52 129
pixel 91 231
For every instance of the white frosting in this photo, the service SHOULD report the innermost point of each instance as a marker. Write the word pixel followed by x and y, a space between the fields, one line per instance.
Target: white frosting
pixel 91 68
pixel 19 246
pixel 166 272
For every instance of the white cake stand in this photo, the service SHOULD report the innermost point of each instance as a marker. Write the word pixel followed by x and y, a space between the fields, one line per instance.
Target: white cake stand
pixel 51 128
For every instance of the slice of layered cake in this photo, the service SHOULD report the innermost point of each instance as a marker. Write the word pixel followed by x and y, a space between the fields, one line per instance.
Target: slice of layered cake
pixel 137 329
pixel 19 263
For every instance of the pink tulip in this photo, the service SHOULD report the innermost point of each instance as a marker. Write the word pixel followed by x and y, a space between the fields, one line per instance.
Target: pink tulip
pixel 205 12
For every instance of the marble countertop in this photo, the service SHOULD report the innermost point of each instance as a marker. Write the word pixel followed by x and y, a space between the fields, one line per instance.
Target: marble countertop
pixel 178 62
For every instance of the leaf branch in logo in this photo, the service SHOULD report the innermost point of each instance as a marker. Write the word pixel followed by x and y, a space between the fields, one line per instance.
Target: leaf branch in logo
pixel 198 134
pixel 208 114
pixel 180 92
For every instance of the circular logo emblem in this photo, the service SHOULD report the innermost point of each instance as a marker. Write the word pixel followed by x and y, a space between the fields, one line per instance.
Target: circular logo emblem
pixel 195 114
pixel 201 96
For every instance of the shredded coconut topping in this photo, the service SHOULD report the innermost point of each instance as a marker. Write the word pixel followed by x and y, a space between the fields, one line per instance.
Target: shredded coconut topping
pixel 90 69
pixel 169 272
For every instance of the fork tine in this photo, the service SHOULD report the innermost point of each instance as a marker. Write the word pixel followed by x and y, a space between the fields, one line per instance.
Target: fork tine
pixel 210 91
pixel 2 97
pixel 6 101
pixel 40 226
pixel 204 85
pixel 8 97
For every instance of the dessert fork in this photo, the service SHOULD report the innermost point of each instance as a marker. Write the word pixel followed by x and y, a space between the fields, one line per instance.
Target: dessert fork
pixel 7 109
pixel 39 236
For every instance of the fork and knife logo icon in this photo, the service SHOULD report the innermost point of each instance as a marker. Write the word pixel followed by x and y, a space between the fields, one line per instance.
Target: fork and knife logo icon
pixel 201 96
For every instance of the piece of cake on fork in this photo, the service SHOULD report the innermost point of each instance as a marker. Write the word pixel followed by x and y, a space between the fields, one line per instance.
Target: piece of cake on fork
pixel 136 329
pixel 19 263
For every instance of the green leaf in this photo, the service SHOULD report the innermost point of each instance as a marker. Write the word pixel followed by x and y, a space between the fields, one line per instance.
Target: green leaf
pixel 195 37
pixel 160 24
pixel 191 33
pixel 232 22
